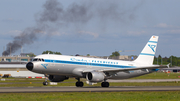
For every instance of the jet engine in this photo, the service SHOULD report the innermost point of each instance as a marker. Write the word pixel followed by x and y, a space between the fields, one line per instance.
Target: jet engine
pixel 57 78
pixel 95 76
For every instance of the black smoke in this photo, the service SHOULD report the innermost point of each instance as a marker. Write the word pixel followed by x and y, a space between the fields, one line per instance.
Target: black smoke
pixel 55 14
pixel 26 37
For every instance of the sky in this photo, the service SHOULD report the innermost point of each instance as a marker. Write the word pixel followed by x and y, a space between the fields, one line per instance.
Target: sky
pixel 95 27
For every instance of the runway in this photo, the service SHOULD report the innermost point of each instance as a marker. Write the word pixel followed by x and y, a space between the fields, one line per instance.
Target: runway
pixel 145 80
pixel 86 89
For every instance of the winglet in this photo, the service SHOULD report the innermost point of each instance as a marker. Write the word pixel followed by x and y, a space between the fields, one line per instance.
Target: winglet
pixel 168 65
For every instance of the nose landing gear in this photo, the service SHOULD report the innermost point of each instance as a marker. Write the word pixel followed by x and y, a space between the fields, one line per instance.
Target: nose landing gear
pixel 45 83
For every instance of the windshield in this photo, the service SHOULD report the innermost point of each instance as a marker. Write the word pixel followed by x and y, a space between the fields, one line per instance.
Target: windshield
pixel 38 59
pixel 35 59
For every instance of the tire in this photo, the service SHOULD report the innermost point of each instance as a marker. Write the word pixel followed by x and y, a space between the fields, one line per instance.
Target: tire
pixel 105 84
pixel 45 83
pixel 79 84
pixel 102 84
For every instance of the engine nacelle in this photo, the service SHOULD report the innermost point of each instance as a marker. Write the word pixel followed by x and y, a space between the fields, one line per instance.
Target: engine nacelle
pixel 95 76
pixel 57 78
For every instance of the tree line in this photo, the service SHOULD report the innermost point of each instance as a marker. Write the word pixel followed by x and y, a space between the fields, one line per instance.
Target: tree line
pixel 175 61
pixel 51 52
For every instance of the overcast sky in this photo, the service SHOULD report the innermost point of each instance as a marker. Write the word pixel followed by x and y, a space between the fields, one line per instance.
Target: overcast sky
pixel 95 27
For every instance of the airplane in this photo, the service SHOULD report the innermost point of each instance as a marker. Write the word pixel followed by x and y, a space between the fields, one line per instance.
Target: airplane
pixel 58 68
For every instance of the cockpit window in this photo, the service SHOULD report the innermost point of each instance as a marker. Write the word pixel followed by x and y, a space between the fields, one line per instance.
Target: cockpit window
pixel 38 59
pixel 35 59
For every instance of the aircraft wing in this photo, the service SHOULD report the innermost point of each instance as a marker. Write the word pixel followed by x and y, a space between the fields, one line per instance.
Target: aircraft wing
pixel 127 69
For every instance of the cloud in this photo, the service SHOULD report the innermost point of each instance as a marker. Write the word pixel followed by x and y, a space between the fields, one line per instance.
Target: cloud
pixel 164 25
pixel 170 29
pixel 14 32
pixel 174 31
pixel 11 20
pixel 56 33
pixel 95 35
pixel 136 32
pixel 161 25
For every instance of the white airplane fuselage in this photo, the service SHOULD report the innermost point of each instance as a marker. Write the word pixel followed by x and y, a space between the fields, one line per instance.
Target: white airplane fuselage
pixel 61 67
pixel 73 66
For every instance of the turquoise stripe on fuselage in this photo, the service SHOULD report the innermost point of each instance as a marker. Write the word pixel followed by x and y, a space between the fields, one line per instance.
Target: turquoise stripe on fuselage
pixel 87 64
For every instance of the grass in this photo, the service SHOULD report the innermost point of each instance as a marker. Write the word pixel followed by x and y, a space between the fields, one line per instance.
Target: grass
pixel 159 75
pixel 96 96
pixel 93 96
pixel 99 84
pixel 25 82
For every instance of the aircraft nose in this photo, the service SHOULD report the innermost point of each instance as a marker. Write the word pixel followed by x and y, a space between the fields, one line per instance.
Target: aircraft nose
pixel 29 66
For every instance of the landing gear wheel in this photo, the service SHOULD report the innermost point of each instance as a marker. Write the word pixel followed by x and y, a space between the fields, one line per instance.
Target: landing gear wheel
pixel 105 84
pixel 45 83
pixel 79 84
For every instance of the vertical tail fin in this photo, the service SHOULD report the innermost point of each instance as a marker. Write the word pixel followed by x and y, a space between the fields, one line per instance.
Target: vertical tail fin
pixel 147 54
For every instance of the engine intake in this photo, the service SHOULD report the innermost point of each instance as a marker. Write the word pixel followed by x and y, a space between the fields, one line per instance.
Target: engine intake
pixel 95 76
pixel 57 78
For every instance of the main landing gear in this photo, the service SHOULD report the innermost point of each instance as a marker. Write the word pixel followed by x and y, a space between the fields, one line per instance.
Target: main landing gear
pixel 45 83
pixel 79 83
pixel 105 84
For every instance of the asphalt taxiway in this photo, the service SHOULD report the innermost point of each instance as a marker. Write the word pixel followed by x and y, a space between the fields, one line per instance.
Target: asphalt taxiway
pixel 87 89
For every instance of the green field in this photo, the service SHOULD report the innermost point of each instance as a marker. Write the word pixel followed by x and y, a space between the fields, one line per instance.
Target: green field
pixel 96 96
pixel 159 75
pixel 93 96
pixel 38 83
pixel 23 82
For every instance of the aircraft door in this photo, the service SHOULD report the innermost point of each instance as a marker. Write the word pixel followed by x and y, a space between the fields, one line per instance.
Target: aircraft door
pixel 52 61
pixel 88 64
